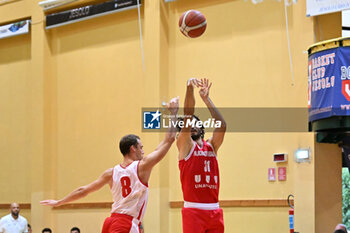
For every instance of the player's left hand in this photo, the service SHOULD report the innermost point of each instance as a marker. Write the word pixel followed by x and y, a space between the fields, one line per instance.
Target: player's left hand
pixel 204 88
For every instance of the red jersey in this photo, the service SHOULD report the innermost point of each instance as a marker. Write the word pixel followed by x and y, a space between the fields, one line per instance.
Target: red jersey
pixel 199 173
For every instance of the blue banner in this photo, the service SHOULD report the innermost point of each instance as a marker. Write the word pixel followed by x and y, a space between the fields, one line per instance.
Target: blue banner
pixel 329 83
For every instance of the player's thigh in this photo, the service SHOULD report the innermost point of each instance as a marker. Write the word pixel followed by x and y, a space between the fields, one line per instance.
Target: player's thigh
pixel 218 229
pixel 216 222
pixel 106 225
pixel 120 225
pixel 193 221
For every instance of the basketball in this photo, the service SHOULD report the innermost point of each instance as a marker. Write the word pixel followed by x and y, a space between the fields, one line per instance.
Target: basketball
pixel 192 23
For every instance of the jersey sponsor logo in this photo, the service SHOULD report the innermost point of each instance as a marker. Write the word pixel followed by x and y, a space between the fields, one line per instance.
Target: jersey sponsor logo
pixel 207 179
pixel 197 178
pixel 204 153
pixel 210 186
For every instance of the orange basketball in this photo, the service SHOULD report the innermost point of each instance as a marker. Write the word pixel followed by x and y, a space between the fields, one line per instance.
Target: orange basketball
pixel 192 23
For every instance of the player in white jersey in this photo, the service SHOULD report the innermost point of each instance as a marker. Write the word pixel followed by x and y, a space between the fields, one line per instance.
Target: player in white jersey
pixel 128 181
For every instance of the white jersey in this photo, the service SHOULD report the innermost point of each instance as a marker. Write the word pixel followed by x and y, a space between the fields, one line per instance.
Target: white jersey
pixel 10 225
pixel 130 195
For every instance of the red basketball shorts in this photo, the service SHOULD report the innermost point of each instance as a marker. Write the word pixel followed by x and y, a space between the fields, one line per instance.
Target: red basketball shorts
pixel 120 223
pixel 202 221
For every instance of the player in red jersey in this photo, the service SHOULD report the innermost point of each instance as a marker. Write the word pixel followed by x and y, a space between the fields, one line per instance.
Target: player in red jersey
pixel 199 170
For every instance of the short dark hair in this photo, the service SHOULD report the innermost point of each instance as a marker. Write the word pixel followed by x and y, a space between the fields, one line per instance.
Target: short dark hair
pixel 339 231
pixel 46 230
pixel 126 142
pixel 179 119
pixel 75 229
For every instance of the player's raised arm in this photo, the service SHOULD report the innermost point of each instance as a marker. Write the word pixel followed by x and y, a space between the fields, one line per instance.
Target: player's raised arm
pixel 190 101
pixel 184 141
pixel 149 161
pixel 81 192
pixel 219 133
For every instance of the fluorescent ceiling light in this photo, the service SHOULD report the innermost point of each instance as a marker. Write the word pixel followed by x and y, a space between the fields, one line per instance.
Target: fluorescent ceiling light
pixel 49 4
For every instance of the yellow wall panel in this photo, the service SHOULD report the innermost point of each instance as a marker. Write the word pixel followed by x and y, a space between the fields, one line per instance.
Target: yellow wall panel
pixel 15 58
pixel 99 76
